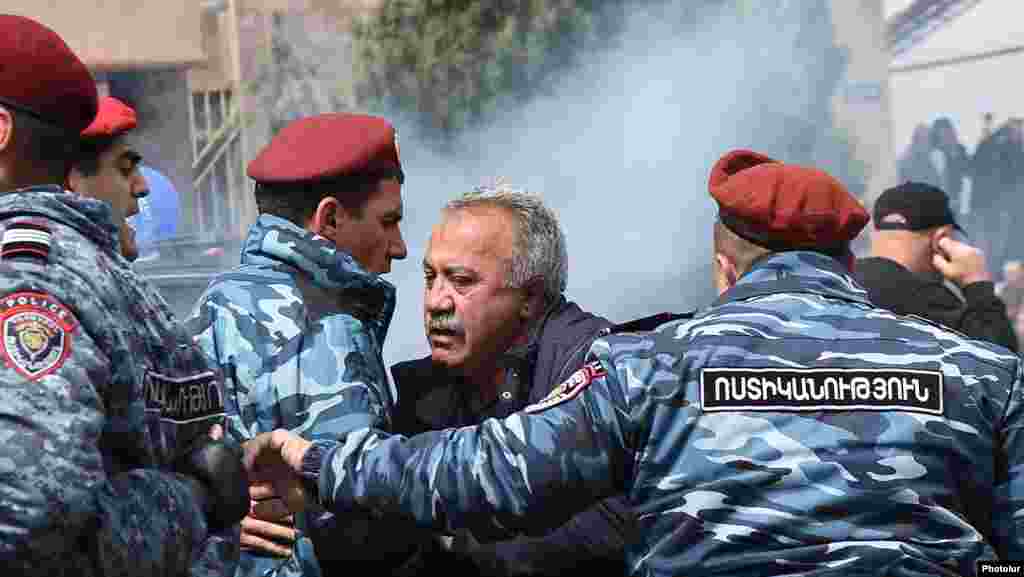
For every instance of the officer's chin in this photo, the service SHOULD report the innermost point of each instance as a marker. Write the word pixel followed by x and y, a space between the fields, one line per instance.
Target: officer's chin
pixel 129 249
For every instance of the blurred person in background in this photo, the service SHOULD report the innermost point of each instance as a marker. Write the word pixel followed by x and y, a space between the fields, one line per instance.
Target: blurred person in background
pixel 951 162
pixel 918 267
pixel 916 163
pixel 997 192
pixel 1011 292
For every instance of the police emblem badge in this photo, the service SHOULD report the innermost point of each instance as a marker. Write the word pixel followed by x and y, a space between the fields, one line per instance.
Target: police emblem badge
pixel 570 388
pixel 36 333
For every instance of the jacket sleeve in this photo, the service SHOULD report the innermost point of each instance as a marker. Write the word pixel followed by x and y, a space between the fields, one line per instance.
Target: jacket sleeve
pixel 594 540
pixel 62 511
pixel 525 474
pixel 984 316
pixel 1008 494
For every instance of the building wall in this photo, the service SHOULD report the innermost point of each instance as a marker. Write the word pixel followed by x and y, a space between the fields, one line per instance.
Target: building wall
pixel 861 105
pixel 121 34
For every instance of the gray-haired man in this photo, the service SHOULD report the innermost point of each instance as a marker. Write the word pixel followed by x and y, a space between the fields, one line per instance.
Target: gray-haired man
pixel 500 332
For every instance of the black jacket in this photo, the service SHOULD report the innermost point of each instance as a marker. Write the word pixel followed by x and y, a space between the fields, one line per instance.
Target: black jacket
pixel 430 398
pixel 980 314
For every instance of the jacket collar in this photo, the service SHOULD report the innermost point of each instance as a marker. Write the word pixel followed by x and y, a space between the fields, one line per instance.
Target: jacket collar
pixel 90 217
pixel 796 272
pixel 275 241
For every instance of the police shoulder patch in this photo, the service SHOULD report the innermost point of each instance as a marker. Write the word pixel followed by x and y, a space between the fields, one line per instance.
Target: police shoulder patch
pixel 570 388
pixel 36 331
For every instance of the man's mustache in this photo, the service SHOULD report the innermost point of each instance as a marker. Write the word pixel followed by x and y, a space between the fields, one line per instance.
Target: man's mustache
pixel 444 323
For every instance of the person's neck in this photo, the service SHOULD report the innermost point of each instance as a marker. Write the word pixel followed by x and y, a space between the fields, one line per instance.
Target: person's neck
pixel 486 378
pixel 485 381
pixel 900 254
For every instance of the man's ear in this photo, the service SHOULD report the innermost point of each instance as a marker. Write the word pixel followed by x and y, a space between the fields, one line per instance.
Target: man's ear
pixel 6 128
pixel 74 181
pixel 938 234
pixel 324 221
pixel 728 274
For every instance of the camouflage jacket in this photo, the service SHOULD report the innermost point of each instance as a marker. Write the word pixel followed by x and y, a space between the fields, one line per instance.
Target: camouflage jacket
pixel 297 328
pixel 99 392
pixel 792 428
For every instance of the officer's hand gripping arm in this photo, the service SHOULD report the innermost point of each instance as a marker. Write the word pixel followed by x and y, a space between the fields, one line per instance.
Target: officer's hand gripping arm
pixel 527 473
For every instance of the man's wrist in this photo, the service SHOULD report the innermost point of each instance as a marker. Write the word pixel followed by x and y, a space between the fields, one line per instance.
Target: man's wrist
pixel 312 462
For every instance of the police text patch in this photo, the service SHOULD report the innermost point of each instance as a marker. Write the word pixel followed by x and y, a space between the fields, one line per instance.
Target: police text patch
pixel 36 333
pixel 183 400
pixel 727 389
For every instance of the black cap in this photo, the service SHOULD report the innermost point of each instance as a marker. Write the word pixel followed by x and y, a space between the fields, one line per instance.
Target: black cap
pixel 913 206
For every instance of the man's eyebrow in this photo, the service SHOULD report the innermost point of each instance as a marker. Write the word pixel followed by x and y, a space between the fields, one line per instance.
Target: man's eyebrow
pixel 458 269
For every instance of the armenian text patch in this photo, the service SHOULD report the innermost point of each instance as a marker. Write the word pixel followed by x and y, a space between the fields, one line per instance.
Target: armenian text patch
pixel 728 389
pixel 180 410
pixel 183 400
pixel 36 333
pixel 570 388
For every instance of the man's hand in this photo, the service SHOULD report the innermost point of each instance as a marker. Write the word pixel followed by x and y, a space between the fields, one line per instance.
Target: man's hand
pixel 269 525
pixel 961 263
pixel 274 460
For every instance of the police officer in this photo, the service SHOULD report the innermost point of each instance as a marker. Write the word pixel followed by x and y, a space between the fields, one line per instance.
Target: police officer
pixel 298 326
pixel 790 428
pixel 107 167
pixel 96 478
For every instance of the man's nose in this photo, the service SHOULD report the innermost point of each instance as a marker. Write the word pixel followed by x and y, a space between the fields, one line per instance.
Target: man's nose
pixel 437 298
pixel 398 249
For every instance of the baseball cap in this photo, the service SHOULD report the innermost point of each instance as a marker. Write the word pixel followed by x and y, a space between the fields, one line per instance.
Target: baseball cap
pixel 913 206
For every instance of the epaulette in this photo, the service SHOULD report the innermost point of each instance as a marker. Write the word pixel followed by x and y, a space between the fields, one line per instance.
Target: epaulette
pixel 648 323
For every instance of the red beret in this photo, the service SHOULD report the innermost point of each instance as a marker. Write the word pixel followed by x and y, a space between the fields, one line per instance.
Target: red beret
pixel 327 146
pixel 114 118
pixel 783 206
pixel 41 75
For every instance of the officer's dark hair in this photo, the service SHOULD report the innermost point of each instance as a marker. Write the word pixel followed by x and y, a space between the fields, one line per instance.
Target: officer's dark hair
pixel 46 146
pixel 296 202
pixel 89 151
pixel 745 253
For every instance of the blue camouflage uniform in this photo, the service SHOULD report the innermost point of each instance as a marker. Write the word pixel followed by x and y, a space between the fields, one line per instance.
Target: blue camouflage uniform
pixel 297 328
pixel 792 429
pixel 101 390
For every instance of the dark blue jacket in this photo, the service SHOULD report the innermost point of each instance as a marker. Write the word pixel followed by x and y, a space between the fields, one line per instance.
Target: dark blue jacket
pixel 431 398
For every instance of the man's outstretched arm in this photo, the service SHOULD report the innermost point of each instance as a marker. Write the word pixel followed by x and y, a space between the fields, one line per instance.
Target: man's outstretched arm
pixel 525 474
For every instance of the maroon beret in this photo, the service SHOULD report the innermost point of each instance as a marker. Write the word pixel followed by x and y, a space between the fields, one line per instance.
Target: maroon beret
pixel 327 146
pixel 40 75
pixel 113 118
pixel 784 206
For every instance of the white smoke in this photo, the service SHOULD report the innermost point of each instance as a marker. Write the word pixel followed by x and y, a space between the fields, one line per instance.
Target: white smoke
pixel 621 150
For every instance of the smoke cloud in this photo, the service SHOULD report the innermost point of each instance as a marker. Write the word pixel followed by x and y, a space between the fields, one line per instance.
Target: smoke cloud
pixel 621 149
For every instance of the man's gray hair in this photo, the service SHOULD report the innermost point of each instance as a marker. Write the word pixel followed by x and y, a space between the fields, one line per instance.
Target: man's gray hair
pixel 539 249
